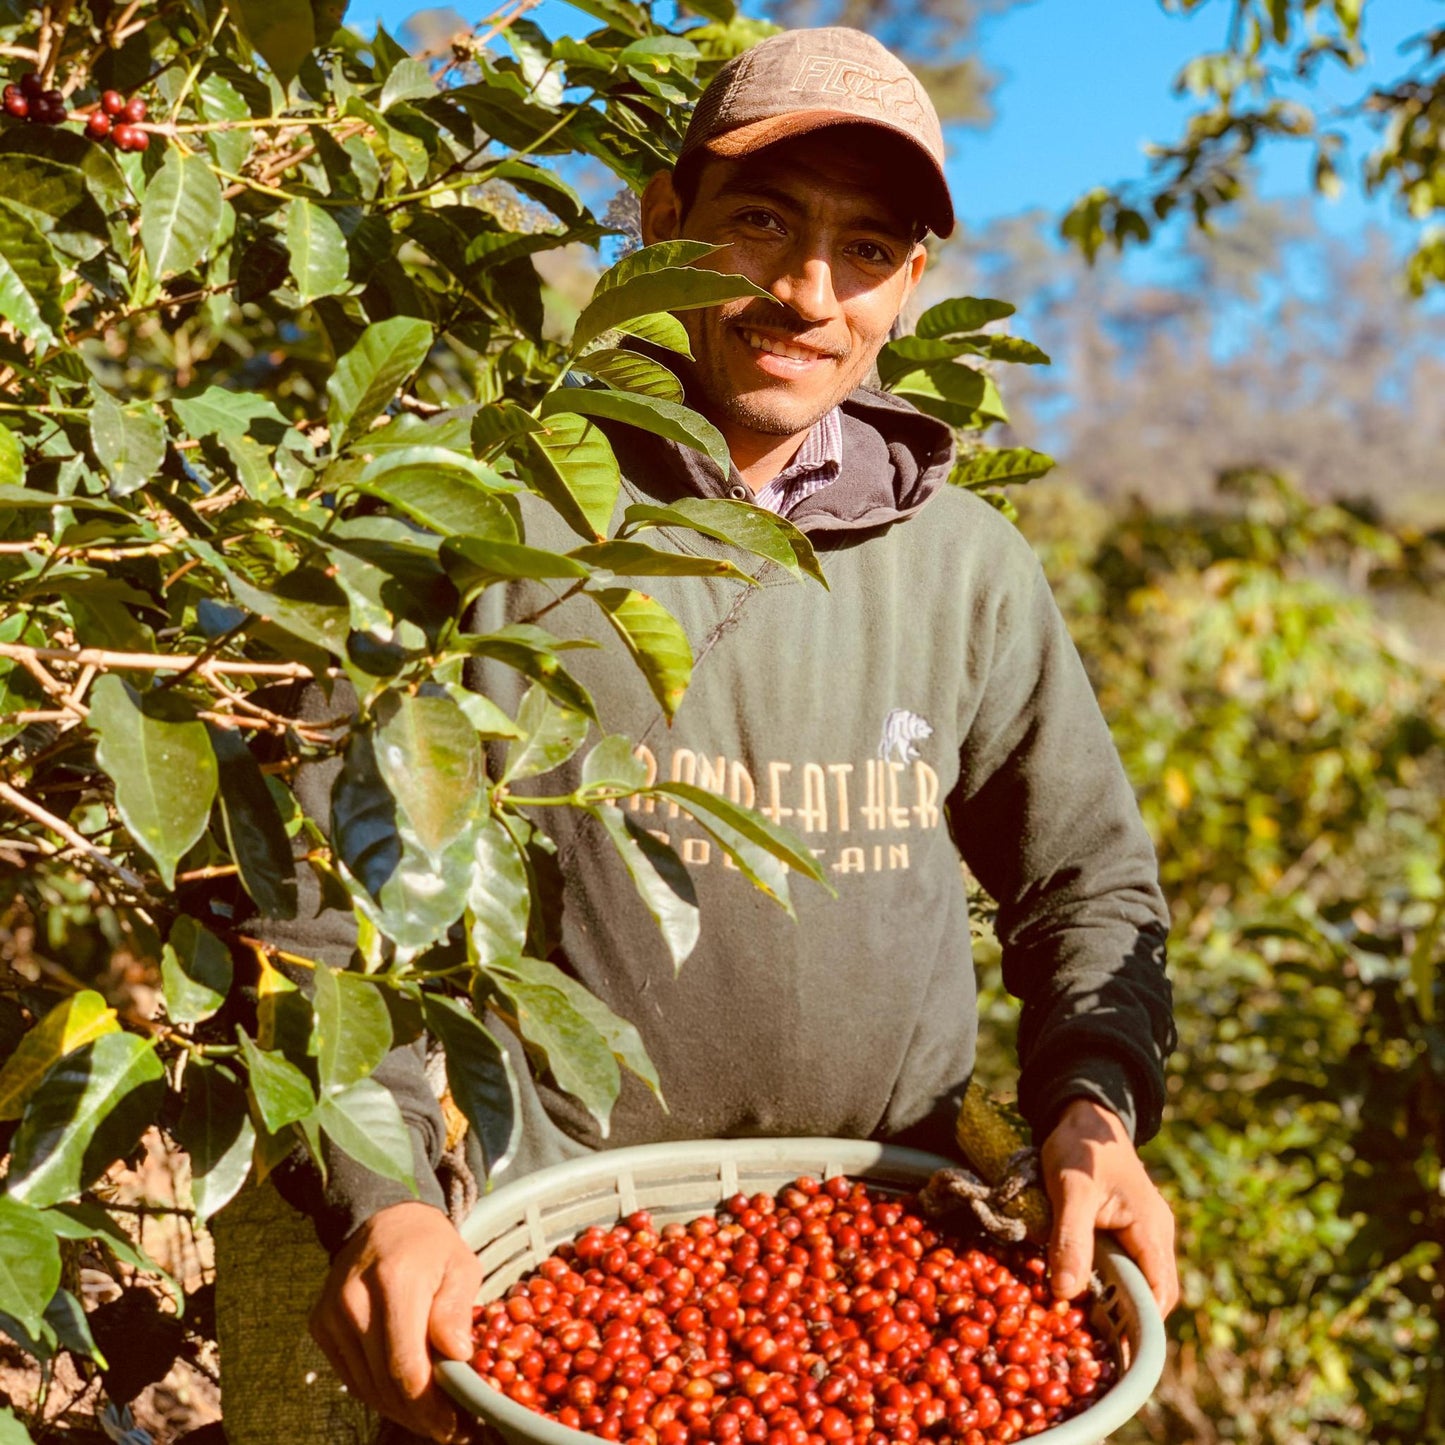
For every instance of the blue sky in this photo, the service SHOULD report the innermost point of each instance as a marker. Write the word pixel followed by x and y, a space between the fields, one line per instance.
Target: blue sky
pixel 1083 85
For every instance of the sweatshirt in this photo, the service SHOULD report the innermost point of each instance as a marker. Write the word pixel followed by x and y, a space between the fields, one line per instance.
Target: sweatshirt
pixel 929 706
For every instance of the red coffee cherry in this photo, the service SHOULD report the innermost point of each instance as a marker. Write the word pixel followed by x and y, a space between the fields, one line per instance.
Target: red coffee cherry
pixel 112 102
pixel 16 103
pixel 31 85
pixel 135 110
pixel 97 125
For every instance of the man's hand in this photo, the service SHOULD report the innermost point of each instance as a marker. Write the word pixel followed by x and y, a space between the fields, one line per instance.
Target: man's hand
pixel 1096 1180
pixel 403 1280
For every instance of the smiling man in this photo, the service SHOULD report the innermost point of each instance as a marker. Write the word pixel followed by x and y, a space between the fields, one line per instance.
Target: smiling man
pixel 928 705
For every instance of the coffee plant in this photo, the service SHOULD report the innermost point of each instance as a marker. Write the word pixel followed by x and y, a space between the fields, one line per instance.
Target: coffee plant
pixel 276 370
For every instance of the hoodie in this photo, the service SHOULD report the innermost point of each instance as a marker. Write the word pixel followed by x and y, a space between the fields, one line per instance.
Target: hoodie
pixel 928 707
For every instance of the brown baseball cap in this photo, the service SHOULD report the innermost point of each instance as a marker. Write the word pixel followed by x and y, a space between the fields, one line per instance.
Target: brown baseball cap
pixel 804 80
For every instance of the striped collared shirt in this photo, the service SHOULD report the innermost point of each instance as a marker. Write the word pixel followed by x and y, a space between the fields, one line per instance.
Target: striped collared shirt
pixel 815 465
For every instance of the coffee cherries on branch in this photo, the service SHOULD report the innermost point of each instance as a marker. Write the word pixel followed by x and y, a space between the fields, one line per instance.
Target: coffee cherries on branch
pixel 31 101
pixel 115 118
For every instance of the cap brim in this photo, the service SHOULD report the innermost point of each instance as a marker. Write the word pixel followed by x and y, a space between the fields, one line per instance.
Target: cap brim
pixel 745 139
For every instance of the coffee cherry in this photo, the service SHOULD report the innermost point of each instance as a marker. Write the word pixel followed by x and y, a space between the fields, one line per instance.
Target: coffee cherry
pixel 130 138
pixel 112 102
pixel 16 103
pixel 135 110
pixel 97 125
pixel 31 85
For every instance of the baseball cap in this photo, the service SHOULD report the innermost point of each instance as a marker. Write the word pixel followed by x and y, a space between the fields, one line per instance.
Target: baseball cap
pixel 803 80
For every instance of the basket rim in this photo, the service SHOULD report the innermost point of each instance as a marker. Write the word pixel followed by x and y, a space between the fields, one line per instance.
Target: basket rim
pixel 508 1203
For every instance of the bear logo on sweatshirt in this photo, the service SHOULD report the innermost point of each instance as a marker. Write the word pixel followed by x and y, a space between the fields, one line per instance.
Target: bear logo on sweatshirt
pixel 901 729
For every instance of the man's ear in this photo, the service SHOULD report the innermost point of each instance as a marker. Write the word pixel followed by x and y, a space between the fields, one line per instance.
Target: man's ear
pixel 661 210
pixel 916 264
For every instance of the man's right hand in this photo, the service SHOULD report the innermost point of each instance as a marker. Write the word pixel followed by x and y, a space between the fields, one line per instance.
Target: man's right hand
pixel 404 1280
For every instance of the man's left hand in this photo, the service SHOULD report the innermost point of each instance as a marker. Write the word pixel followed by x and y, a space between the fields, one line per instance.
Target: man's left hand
pixel 1096 1180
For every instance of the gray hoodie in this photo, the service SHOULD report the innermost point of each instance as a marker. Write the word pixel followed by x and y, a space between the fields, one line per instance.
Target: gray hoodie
pixel 929 705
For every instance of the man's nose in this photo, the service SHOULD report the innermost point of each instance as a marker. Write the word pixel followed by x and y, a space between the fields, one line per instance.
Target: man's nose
pixel 806 286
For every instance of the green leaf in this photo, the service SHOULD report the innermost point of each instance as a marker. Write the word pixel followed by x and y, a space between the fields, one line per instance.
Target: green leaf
pixel 216 1132
pixel 12 458
pixel 637 559
pixel 367 378
pixel 90 1221
pixel 550 735
pixel 739 524
pixel 960 314
pixel 661 329
pixel 486 718
pixel 474 563
pixel 649 413
pixel 319 258
pixel 1000 468
pixel 195 971
pixel 66 1317
pixel 480 1076
pixel 71 1024
pixel 353 1028
pixel 499 900
pixel 678 288
pixel 129 442
pixel 646 260
pixel 160 760
pixel 655 639
pixel 572 466
pixel 408 893
pixel 282 1092
pixel 29 1270
pixel 710 809
pixel 409 80
pixel 496 423
pixel 574 1050
pixel 542 186
pixel 365 1123
pixel 430 757
pixel 613 765
pixel 515 647
pixel 660 877
pixel 12 1432
pixel 1013 349
pixel 446 492
pixel 219 411
pixel 305 602
pixel 29 279
pixel 631 371
pixel 255 832
pixel 90 1109
pixel 282 32
pixel 180 213
pixel 621 1037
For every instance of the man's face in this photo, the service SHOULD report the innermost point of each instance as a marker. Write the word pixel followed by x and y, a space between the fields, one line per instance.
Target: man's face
pixel 812 221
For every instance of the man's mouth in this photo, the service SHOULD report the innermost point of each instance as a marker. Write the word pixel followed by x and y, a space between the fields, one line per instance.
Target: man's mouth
pixel 783 350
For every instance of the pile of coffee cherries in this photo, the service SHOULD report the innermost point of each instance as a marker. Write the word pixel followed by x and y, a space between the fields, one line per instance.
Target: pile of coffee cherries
pixel 831 1314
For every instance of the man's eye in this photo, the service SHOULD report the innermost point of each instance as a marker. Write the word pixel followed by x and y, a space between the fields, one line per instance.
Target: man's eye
pixel 764 220
pixel 872 252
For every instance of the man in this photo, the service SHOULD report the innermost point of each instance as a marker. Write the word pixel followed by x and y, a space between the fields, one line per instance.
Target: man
pixel 928 704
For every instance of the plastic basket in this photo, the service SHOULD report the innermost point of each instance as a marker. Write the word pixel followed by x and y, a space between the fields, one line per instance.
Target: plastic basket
pixel 518 1225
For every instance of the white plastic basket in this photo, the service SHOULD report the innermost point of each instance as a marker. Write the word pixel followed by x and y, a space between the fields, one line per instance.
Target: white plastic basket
pixel 518 1225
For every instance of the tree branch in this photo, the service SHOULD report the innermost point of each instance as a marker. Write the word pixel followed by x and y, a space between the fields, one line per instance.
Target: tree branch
pixel 61 828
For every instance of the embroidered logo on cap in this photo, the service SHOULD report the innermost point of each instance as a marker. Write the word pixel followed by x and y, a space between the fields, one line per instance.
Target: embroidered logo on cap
pixel 830 75
pixel 901 729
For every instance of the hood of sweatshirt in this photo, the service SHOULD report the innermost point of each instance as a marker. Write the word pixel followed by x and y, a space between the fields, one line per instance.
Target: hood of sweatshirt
pixel 894 460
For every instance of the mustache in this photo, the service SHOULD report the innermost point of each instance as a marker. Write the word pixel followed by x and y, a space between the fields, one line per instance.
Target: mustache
pixel 762 317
